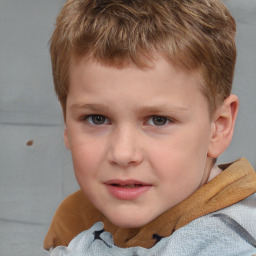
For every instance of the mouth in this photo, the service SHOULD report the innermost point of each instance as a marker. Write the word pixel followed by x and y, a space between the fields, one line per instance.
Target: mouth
pixel 127 189
pixel 126 184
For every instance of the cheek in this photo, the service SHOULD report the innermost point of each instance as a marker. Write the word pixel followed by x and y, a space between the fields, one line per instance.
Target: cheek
pixel 86 159
pixel 182 157
pixel 194 141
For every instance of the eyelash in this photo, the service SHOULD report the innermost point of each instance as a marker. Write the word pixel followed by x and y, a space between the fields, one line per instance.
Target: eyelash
pixel 157 118
pixel 150 120
pixel 87 117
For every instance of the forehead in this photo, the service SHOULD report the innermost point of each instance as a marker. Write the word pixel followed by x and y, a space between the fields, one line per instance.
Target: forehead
pixel 157 67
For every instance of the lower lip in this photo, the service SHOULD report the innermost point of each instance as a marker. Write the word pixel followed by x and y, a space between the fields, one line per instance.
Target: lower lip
pixel 123 193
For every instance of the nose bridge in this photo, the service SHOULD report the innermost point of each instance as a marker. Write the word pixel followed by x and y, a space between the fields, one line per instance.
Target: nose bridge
pixel 124 147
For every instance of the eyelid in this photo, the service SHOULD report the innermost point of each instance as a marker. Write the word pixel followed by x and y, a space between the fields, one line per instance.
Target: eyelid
pixel 86 117
pixel 168 120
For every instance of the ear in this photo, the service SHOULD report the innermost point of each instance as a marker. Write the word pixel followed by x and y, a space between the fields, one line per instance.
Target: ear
pixel 223 126
pixel 66 140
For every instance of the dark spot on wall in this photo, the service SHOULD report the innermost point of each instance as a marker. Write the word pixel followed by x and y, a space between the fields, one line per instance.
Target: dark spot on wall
pixel 30 143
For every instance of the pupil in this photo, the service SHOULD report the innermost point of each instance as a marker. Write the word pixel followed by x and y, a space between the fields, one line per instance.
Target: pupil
pixel 98 119
pixel 159 120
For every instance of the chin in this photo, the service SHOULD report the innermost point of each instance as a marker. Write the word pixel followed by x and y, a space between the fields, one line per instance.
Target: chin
pixel 128 222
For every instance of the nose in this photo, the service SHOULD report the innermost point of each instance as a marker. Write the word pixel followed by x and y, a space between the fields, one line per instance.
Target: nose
pixel 124 150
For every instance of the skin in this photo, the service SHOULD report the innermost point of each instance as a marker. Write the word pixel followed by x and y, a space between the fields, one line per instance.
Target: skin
pixel 149 125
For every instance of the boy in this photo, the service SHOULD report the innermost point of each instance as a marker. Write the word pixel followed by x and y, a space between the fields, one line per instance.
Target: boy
pixel 145 88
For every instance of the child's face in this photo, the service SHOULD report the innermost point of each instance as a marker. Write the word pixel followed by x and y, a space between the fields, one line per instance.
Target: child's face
pixel 139 138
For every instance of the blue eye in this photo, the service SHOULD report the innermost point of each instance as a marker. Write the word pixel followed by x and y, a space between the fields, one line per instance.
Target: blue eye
pixel 158 120
pixel 96 119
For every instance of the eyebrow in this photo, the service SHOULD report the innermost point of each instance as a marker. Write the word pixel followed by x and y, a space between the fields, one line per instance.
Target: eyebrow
pixel 161 108
pixel 140 109
pixel 93 107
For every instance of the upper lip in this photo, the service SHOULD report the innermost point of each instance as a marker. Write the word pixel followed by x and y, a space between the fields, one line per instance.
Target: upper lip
pixel 126 182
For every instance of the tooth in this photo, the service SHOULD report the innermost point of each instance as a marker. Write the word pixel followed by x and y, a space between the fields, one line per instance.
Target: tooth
pixel 127 185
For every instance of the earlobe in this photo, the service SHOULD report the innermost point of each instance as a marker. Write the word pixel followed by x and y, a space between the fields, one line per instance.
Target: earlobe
pixel 223 126
pixel 66 140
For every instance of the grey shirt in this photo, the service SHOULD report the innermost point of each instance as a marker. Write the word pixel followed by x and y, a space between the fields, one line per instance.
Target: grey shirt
pixel 228 232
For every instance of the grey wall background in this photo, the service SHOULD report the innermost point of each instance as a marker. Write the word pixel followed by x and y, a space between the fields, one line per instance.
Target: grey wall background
pixel 35 178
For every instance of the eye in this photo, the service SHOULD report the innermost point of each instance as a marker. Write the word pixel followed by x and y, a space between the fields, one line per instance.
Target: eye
pixel 158 120
pixel 96 119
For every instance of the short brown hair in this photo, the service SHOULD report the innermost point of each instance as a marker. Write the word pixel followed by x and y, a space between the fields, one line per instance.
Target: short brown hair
pixel 193 35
